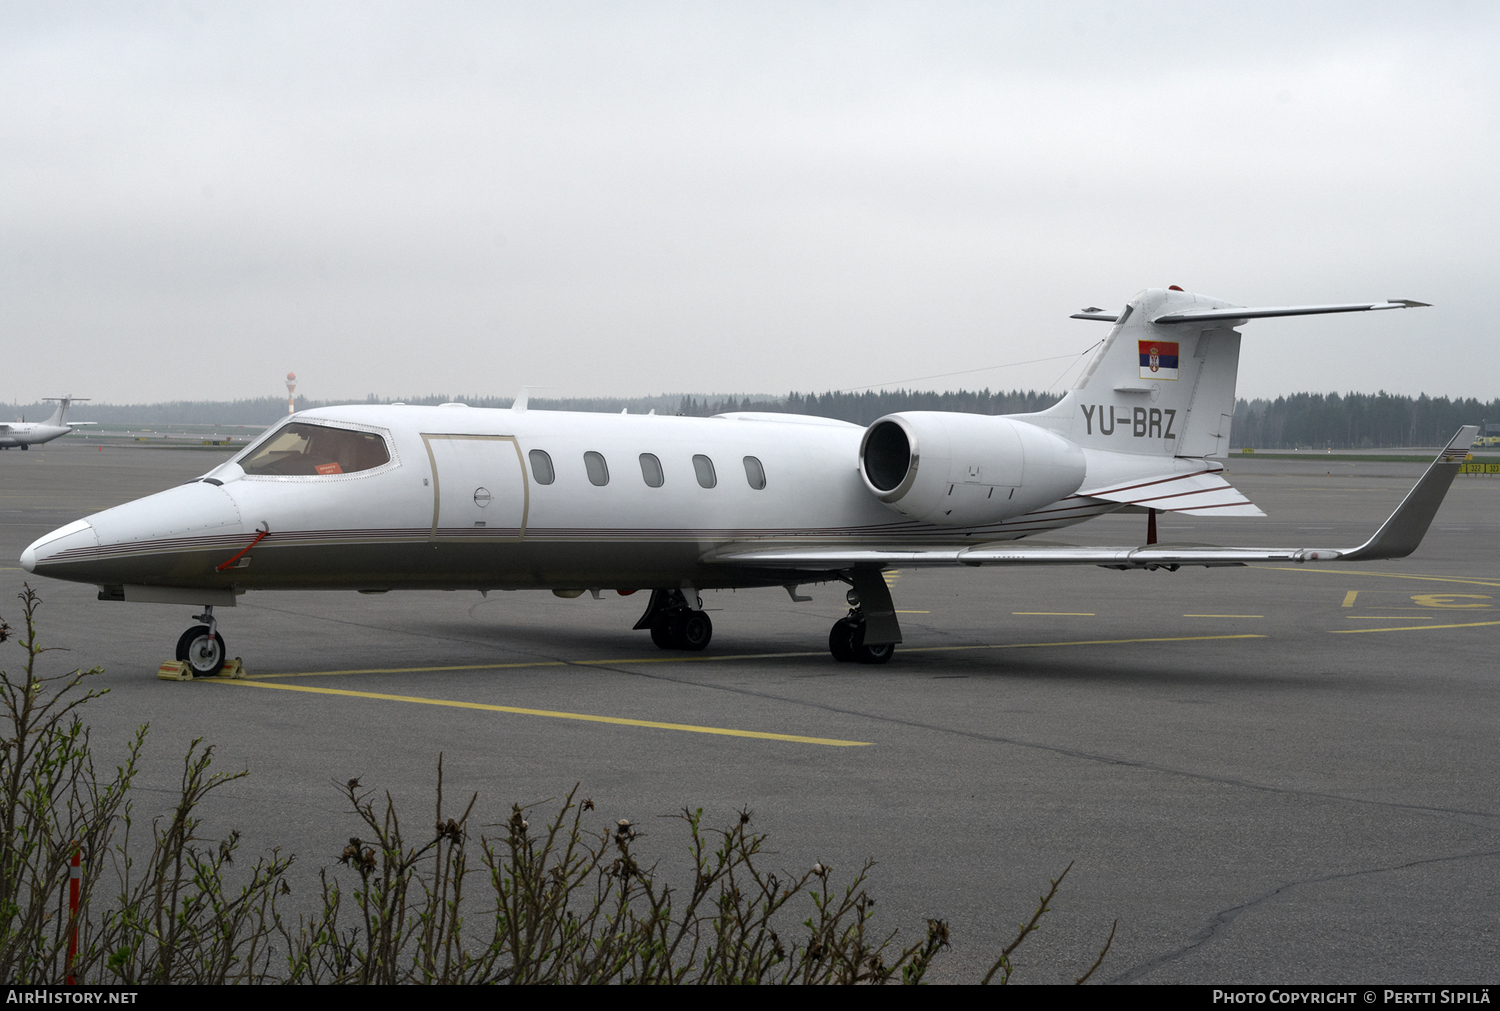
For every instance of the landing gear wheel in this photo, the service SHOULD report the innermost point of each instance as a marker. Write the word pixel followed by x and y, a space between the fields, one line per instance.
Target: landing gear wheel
pixel 690 630
pixel 661 631
pixel 205 651
pixel 872 654
pixel 187 640
pixel 841 640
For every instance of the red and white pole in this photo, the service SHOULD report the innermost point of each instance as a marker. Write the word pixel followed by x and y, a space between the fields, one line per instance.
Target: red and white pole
pixel 75 879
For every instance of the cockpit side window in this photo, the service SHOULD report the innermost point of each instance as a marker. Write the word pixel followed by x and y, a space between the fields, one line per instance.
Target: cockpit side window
pixel 304 449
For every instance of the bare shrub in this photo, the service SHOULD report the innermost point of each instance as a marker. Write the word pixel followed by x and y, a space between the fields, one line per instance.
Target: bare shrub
pixel 557 902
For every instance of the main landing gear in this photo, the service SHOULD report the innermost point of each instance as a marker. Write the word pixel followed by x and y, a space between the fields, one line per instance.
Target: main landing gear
pixel 202 646
pixel 674 623
pixel 846 640
pixel 869 632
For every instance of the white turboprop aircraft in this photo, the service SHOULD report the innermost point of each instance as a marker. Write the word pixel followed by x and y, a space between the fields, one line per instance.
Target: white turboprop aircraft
pixel 378 498
pixel 29 433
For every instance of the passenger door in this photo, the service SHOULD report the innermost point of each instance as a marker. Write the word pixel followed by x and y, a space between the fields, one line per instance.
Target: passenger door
pixel 479 486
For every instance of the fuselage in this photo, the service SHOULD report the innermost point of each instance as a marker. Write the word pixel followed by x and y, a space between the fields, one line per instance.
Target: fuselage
pixel 467 498
pixel 30 433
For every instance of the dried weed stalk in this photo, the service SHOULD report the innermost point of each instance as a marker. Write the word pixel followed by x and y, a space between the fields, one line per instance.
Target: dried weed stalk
pixel 560 902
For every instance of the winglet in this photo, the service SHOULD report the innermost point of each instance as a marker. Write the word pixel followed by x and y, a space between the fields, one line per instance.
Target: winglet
pixel 1400 535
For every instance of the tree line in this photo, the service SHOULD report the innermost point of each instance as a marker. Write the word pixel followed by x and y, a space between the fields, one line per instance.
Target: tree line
pixel 1299 420
pixel 1355 420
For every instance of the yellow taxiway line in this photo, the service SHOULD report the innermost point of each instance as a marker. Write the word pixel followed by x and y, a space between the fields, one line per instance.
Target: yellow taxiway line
pixel 1410 628
pixel 585 717
pixel 539 663
pixel 733 656
pixel 1386 575
pixel 262 681
pixel 1081 642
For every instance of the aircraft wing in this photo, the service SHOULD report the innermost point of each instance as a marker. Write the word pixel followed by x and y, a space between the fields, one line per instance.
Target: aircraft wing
pixel 1396 538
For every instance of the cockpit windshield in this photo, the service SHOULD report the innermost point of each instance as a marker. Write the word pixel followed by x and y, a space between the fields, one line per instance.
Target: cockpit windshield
pixel 301 448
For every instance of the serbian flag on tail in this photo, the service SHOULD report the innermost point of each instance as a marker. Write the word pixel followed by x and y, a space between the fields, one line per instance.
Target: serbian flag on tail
pixel 1158 359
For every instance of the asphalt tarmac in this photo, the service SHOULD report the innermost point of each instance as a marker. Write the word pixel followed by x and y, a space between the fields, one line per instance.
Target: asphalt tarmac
pixel 1273 774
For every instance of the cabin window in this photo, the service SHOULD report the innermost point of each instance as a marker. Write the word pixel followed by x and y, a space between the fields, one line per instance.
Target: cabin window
pixel 755 473
pixel 541 467
pixel 704 468
pixel 305 449
pixel 651 471
pixel 597 468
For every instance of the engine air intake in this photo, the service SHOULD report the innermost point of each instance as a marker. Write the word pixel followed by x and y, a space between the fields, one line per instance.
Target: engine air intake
pixel 887 455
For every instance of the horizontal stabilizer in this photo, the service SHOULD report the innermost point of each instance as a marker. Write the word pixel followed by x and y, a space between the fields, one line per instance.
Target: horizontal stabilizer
pixel 1202 493
pixel 1219 315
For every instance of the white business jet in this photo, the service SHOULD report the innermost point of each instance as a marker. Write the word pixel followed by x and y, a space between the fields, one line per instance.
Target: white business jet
pixel 378 498
pixel 29 433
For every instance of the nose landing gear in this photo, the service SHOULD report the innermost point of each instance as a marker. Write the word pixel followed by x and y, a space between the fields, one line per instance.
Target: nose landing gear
pixel 202 646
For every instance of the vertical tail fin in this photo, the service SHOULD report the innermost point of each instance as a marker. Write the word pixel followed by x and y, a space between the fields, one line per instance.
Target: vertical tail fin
pixel 60 416
pixel 1155 389
pixel 1163 383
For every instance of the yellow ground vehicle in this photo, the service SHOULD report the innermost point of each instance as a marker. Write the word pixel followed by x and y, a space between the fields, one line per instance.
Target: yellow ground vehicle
pixel 1489 437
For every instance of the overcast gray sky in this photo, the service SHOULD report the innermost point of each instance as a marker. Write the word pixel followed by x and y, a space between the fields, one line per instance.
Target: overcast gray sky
pixel 631 198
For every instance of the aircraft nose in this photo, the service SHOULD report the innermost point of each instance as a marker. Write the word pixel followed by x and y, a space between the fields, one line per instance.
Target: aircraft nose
pixel 177 518
pixel 77 540
pixel 170 535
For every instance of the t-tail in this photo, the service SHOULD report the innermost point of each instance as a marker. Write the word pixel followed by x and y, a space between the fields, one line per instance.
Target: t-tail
pixel 1163 381
pixel 60 416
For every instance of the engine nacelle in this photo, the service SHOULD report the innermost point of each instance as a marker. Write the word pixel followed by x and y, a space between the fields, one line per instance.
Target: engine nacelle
pixel 966 469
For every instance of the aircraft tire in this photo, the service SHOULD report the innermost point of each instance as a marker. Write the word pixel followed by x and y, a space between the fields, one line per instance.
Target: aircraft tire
pixel 661 631
pixel 187 640
pixel 841 640
pixel 205 654
pixel 874 654
pixel 691 630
